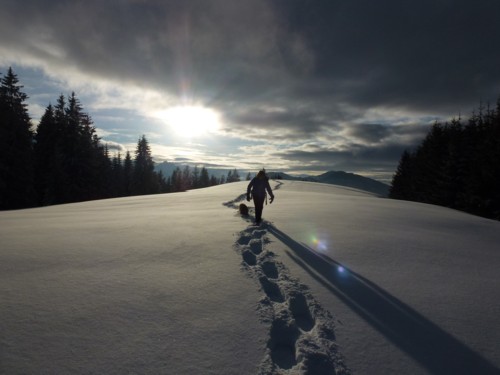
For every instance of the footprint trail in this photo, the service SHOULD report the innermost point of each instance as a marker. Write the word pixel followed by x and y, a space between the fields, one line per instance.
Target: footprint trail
pixel 301 332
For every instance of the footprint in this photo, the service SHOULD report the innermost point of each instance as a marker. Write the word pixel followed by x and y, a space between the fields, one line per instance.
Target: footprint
pixel 258 233
pixel 282 343
pixel 256 246
pixel 270 270
pixel 272 290
pixel 244 239
pixel 318 364
pixel 300 311
pixel 249 258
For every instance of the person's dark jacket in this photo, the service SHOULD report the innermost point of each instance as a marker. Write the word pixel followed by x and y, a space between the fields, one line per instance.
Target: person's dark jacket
pixel 258 186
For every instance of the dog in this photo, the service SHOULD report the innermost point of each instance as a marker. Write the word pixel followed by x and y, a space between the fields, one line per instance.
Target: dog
pixel 243 209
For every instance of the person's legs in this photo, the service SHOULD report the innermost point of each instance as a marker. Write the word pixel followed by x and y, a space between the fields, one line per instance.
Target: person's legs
pixel 259 206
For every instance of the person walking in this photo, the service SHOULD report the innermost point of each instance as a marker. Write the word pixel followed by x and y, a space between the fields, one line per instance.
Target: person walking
pixel 257 190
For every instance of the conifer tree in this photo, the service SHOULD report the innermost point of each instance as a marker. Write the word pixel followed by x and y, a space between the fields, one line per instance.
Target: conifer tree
pixel 176 179
pixel 144 178
pixel 213 180
pixel 49 172
pixel 128 167
pixel 401 186
pixel 233 176
pixel 204 179
pixel 195 178
pixel 16 146
pixel 117 177
pixel 162 183
pixel 186 178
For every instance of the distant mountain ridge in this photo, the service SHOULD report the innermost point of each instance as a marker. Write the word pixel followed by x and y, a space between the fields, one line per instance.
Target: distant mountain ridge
pixel 354 181
pixel 343 179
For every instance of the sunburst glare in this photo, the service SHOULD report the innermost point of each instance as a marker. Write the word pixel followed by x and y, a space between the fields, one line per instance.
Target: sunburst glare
pixel 190 121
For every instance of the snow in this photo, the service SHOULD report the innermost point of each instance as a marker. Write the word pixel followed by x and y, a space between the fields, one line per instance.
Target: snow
pixel 335 280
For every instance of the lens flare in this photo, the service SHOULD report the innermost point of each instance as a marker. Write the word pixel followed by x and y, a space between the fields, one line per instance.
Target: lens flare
pixel 319 244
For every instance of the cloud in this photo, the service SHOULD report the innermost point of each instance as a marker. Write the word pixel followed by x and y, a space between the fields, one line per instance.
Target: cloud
pixel 364 52
pixel 115 147
pixel 360 79
pixel 369 133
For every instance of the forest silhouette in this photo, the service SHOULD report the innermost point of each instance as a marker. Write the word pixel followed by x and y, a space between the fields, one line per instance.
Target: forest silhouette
pixel 457 165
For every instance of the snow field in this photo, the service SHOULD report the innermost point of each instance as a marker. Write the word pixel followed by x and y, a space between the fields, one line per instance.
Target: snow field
pixel 335 280
pixel 419 291
pixel 145 285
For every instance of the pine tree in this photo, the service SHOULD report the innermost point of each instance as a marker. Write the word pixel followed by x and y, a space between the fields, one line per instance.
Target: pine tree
pixel 176 179
pixel 233 176
pixel 214 181
pixel 204 179
pixel 128 167
pixel 195 178
pixel 49 172
pixel 145 180
pixel 76 153
pixel 401 186
pixel 162 183
pixel 16 146
pixel 186 178
pixel 99 182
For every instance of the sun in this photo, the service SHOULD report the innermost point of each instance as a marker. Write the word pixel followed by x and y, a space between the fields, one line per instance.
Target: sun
pixel 190 121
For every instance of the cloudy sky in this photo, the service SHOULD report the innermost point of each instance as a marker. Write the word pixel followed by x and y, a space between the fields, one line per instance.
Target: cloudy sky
pixel 303 86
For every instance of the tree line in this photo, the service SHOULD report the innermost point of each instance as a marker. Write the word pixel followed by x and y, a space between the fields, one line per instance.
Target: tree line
pixel 188 178
pixel 457 165
pixel 64 161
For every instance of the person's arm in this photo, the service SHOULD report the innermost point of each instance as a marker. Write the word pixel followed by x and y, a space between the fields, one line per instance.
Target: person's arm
pixel 270 191
pixel 249 189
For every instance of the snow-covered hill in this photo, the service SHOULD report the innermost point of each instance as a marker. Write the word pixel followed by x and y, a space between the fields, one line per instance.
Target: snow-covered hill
pixel 341 178
pixel 335 280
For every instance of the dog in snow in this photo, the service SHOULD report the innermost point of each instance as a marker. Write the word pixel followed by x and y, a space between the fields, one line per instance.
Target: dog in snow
pixel 243 209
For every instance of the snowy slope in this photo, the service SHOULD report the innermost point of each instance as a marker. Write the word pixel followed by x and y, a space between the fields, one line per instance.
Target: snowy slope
pixel 336 279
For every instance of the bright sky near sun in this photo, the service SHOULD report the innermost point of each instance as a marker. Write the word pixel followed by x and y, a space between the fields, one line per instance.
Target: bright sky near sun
pixel 301 87
pixel 190 121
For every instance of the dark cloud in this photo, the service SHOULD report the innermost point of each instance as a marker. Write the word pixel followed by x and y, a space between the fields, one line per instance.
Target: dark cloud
pixel 403 53
pixel 282 123
pixel 434 55
pixel 369 132
pixel 372 147
pixel 279 69
pixel 357 159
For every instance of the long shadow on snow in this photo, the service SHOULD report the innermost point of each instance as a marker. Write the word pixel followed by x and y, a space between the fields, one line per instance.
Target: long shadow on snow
pixel 424 341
